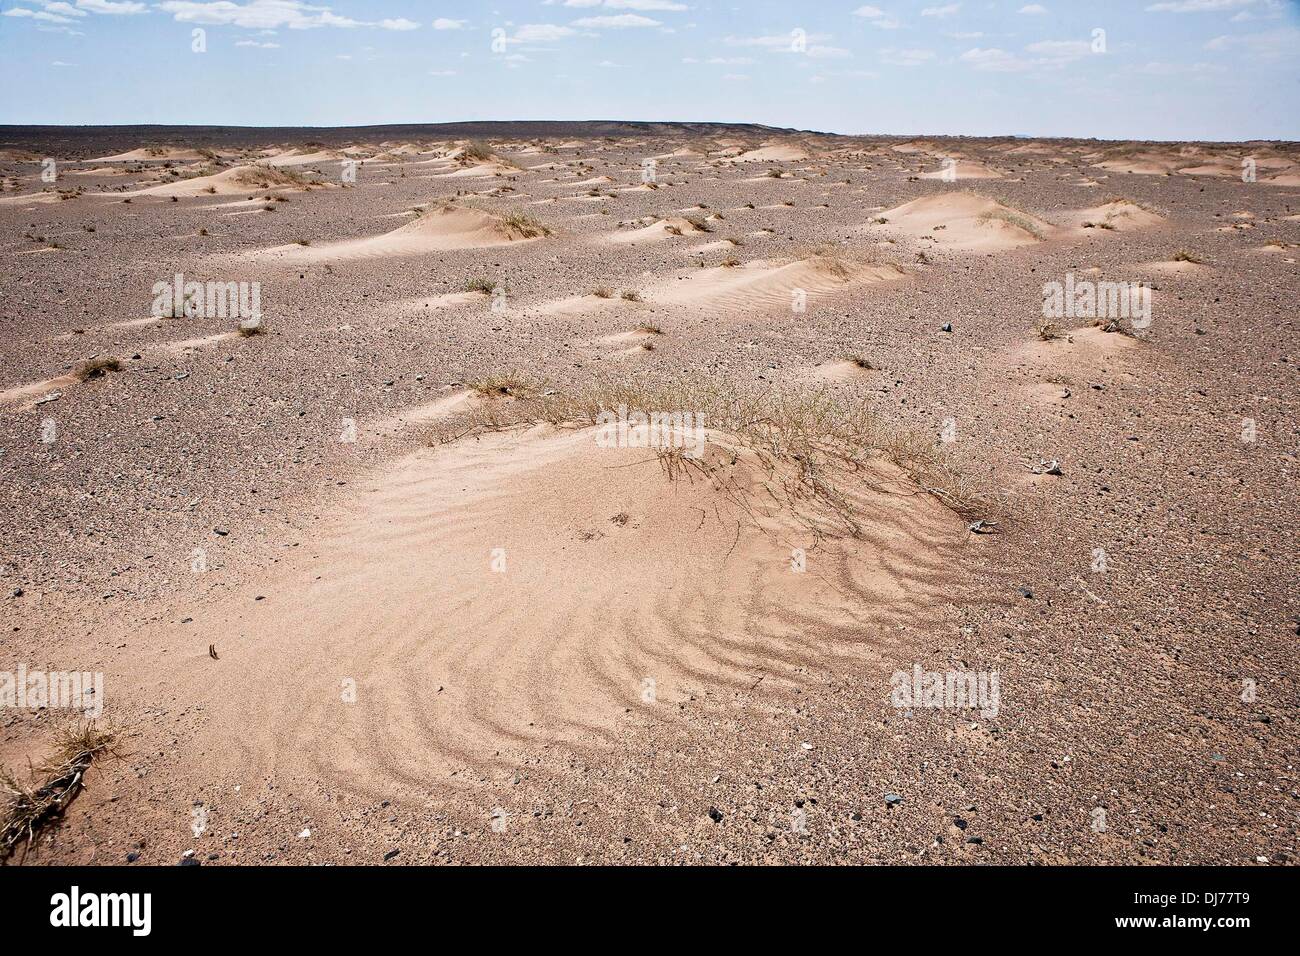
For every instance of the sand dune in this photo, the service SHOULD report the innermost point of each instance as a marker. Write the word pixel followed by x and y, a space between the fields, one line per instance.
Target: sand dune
pixel 966 221
pixel 237 181
pixel 294 157
pixel 155 154
pixel 964 169
pixel 783 153
pixel 1120 215
pixel 442 228
pixel 26 395
pixel 672 227
pixel 762 286
pixel 615 596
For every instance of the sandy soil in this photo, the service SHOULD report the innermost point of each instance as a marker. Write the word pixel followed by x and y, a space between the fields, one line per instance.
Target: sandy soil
pixel 341 621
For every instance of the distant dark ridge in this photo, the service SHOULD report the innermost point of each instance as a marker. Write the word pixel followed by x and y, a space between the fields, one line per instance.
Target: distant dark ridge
pixel 79 142
pixel 69 140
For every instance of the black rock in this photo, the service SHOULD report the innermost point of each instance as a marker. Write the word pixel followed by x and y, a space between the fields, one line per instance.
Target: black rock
pixel 715 814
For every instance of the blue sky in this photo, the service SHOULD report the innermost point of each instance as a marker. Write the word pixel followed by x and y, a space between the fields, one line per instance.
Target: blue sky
pixel 1178 69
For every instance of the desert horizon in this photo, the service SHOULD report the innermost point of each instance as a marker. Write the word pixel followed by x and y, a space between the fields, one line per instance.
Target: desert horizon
pixel 621 492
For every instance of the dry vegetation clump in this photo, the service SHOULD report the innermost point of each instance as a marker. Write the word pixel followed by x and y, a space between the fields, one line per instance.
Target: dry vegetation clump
pixel 475 151
pixel 631 295
pixel 603 292
pixel 98 367
pixel 504 385
pixel 267 177
pixel 26 810
pixel 1183 255
pixel 1125 201
pixel 523 225
pixel 815 443
pixel 479 284
pixel 1014 218
pixel 1047 330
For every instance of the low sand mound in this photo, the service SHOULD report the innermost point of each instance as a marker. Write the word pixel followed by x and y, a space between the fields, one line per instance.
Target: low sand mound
pixel 967 222
pixel 28 395
pixel 1120 215
pixel 782 153
pixel 963 169
pixel 475 170
pixel 847 370
pixel 293 157
pixel 237 181
pixel 155 154
pixel 669 228
pixel 486 599
pixel 607 301
pixel 762 286
pixel 1141 163
pixel 439 229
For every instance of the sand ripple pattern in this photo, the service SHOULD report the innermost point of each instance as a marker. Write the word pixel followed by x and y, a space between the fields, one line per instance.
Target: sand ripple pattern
pixel 623 596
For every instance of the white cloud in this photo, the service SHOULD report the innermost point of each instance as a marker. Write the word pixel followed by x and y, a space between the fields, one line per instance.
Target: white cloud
pixel 400 23
pixel 993 60
pixel 877 17
pixel 124 7
pixel 541 33
pixel 619 22
pixel 444 23
pixel 67 9
pixel 668 5
pixel 1033 9
pixel 1061 49
pixel 255 43
pixel 782 41
pixel 442 72
pixel 906 57
pixel 256 14
pixel 1156 68
pixel 1047 55
pixel 36 15
pixel 945 11
pixel 1197 6
pixel 1275 44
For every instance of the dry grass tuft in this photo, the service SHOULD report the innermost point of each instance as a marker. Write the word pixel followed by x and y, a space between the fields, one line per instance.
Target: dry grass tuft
pixel 1015 219
pixel 475 151
pixel 1047 330
pixel 525 226
pixel 479 284
pixel 26 810
pixel 504 385
pixel 603 292
pixel 264 177
pixel 1183 255
pixel 98 367
pixel 815 443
